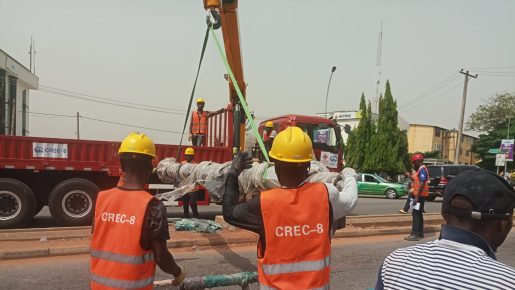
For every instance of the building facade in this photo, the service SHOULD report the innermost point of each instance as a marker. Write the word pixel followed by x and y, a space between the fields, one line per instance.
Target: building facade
pixel 15 83
pixel 352 118
pixel 427 138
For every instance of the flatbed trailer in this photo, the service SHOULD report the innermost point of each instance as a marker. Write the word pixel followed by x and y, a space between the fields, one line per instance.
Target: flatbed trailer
pixel 66 174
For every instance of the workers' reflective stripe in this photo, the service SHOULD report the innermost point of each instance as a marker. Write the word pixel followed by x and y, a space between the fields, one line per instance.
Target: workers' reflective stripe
pixel 265 287
pixel 126 259
pixel 275 269
pixel 123 284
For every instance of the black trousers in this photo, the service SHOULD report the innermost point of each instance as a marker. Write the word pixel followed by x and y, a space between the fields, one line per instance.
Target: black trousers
pixel 417 227
pixel 190 199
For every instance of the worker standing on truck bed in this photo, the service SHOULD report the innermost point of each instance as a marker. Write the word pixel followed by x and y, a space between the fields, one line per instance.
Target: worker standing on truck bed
pixel 198 125
pixel 294 222
pixel 130 227
pixel 190 198
pixel 269 135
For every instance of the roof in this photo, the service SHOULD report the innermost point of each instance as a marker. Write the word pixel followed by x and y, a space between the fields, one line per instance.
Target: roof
pixel 450 130
pixel 15 68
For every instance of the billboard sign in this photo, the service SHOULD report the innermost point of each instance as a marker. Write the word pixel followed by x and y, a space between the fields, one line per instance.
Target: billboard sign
pixel 507 146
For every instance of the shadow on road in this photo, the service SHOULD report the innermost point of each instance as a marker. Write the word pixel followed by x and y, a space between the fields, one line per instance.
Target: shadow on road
pixel 237 261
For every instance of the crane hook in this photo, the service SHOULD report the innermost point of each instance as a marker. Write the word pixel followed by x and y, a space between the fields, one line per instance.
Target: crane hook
pixel 213 19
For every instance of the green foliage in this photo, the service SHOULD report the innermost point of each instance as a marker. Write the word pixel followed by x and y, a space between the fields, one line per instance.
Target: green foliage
pixel 494 114
pixel 355 153
pixel 390 142
pixel 382 147
pixel 492 140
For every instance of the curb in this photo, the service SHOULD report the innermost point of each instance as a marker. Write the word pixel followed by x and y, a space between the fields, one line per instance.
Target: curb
pixel 202 242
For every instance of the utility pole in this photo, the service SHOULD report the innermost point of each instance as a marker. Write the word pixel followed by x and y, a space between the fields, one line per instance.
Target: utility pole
pixel 378 66
pixel 30 54
pixel 506 162
pixel 78 127
pixel 462 115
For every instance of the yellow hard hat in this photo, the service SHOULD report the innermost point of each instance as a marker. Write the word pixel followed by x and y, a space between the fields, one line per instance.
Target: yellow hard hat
pixel 200 100
pixel 292 145
pixel 269 124
pixel 189 151
pixel 138 143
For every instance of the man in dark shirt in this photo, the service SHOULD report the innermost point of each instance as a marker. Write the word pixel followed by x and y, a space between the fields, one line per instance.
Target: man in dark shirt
pixel 248 215
pixel 127 202
pixel 478 209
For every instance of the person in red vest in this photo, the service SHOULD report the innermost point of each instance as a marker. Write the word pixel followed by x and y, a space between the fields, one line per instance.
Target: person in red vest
pixel 130 226
pixel 420 193
pixel 296 221
pixel 198 125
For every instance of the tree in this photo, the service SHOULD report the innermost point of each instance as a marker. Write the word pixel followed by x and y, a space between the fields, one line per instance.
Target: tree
pixel 390 143
pixel 355 153
pixel 490 140
pixel 493 114
pixel 369 128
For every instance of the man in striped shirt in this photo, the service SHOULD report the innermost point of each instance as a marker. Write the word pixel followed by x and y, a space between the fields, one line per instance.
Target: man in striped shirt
pixel 478 208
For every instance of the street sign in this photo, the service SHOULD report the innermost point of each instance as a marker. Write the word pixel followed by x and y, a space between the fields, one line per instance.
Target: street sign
pixel 499 159
pixel 507 146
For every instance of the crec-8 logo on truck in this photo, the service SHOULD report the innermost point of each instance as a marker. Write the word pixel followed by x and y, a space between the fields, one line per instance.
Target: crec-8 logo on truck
pixel 40 149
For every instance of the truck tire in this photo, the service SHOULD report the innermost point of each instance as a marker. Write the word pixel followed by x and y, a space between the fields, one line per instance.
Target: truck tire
pixel 72 202
pixel 17 203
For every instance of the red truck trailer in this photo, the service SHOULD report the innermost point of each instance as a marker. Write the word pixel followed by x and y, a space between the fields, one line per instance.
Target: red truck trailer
pixel 66 174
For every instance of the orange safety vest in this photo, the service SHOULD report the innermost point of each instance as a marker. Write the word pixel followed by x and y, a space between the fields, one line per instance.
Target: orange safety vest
pixel 298 248
pixel 117 259
pixel 416 183
pixel 199 123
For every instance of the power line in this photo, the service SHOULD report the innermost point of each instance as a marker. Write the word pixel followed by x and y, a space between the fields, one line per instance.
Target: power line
pixel 129 125
pixel 498 75
pixel 413 106
pixel 109 99
pixel 451 78
pixel 106 102
pixel 50 115
pixel 491 67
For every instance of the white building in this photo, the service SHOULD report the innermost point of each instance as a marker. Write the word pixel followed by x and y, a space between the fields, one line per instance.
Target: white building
pixel 352 118
pixel 15 82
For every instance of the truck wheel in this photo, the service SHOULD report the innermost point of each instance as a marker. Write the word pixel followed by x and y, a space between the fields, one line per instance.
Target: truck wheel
pixel 391 193
pixel 17 203
pixel 72 202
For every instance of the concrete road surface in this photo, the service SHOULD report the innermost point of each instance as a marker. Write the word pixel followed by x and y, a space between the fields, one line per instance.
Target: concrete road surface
pixel 354 265
pixel 366 206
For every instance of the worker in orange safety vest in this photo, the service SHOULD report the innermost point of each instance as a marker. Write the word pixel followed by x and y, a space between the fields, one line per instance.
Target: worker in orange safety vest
pixel 198 125
pixel 420 193
pixel 294 222
pixel 130 227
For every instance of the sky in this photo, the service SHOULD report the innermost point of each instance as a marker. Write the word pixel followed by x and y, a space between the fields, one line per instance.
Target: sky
pixel 147 52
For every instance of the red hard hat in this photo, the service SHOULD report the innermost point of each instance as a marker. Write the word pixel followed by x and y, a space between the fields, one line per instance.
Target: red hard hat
pixel 416 157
